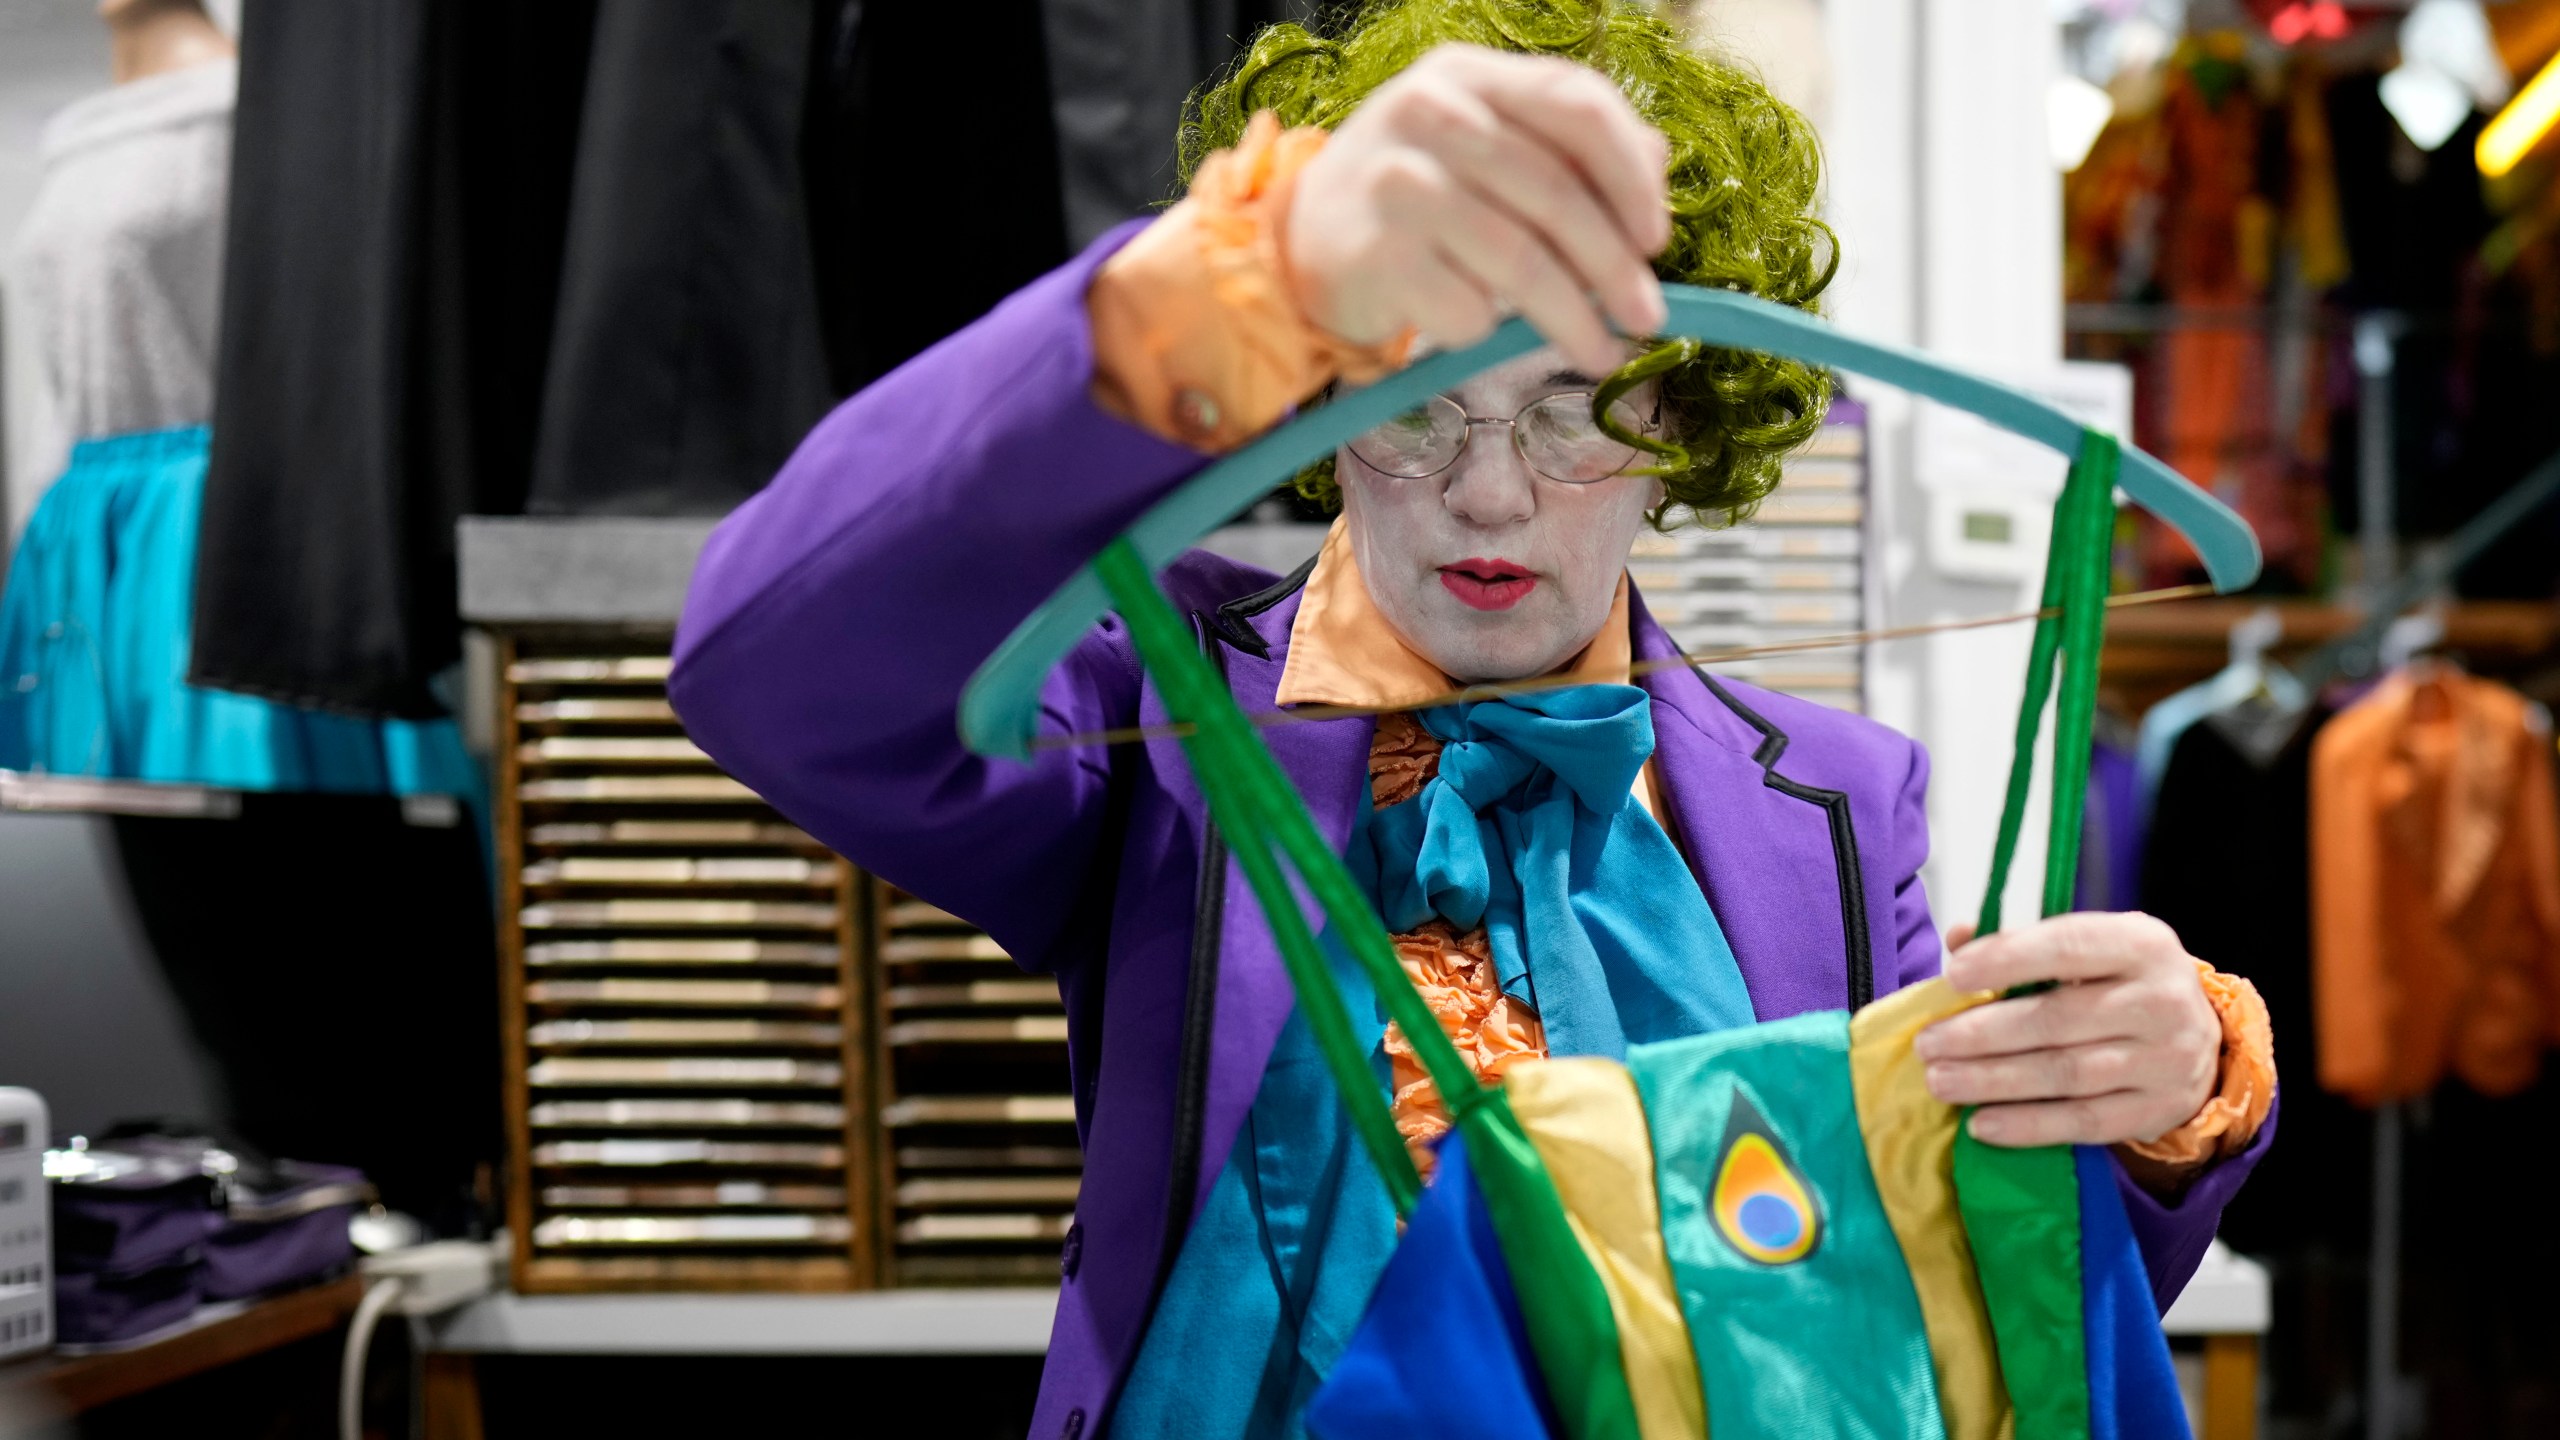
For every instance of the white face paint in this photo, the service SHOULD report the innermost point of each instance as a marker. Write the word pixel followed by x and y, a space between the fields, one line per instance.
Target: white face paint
pixel 1488 569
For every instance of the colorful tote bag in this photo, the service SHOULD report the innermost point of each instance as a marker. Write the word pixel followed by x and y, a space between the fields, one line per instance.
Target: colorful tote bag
pixel 1842 1260
pixel 1567 1312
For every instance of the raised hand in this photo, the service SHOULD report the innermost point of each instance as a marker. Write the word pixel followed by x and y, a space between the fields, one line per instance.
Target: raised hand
pixel 1478 184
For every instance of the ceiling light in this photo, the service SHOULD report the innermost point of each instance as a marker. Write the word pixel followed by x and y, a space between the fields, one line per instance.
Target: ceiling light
pixel 2075 113
pixel 2306 20
pixel 2453 36
pixel 2429 104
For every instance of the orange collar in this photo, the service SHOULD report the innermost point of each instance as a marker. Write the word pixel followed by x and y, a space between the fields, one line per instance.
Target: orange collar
pixel 1342 651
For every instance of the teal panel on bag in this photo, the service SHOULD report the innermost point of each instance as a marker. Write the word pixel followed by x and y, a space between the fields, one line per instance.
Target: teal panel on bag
pixel 1798 1301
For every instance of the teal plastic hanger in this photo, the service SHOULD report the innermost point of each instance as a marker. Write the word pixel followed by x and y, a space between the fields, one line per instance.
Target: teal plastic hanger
pixel 999 712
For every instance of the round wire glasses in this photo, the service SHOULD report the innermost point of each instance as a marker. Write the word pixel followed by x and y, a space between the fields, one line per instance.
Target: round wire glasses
pixel 1555 434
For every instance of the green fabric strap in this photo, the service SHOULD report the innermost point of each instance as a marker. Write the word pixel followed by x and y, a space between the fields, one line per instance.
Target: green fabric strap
pixel 1264 820
pixel 2021 1208
pixel 2021 1211
pixel 2075 597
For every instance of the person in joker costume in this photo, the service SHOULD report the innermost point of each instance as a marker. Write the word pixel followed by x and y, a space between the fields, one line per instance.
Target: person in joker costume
pixel 1568 870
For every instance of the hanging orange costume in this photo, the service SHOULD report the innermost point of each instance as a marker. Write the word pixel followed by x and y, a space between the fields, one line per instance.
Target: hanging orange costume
pixel 2435 854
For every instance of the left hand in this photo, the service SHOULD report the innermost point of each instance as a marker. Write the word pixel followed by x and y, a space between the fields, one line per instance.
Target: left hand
pixel 2126 1048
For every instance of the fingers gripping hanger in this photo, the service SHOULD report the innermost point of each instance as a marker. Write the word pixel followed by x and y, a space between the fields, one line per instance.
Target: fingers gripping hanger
pixel 1256 808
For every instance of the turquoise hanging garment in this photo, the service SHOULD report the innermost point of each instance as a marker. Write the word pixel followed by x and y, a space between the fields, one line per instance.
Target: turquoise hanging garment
pixel 1531 829
pixel 1799 1305
pixel 95 628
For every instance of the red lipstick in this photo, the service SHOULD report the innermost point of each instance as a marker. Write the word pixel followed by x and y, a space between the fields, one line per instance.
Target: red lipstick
pixel 1488 584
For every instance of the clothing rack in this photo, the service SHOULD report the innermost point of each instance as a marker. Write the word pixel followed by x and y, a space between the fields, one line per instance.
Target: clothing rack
pixel 26 794
pixel 2355 652
pixel 2360 652
pixel 88 795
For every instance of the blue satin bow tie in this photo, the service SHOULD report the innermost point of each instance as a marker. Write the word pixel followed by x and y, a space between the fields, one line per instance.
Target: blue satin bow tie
pixel 1531 829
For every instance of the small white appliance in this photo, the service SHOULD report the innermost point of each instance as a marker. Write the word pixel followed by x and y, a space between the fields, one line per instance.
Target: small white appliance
pixel 26 1243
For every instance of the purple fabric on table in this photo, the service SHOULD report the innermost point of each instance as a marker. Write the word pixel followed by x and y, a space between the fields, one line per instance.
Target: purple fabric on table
pixel 129 1224
pixel 291 1233
pixel 103 1307
pixel 835 617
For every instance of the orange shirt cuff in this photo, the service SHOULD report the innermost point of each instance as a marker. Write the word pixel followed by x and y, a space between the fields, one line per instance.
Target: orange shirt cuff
pixel 2230 1119
pixel 1197 332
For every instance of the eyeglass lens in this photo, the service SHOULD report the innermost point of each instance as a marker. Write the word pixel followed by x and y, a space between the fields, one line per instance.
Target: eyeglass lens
pixel 1555 435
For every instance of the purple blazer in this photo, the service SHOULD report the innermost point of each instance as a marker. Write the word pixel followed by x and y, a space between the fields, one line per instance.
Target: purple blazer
pixel 835 617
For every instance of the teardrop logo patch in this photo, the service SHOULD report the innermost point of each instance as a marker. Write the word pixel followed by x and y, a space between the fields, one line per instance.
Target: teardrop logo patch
pixel 1761 1203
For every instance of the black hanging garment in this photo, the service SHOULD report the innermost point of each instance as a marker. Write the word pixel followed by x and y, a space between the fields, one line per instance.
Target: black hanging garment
pixel 687 359
pixel 576 259
pixel 2228 866
pixel 1120 71
pixel 399 182
pixel 931 200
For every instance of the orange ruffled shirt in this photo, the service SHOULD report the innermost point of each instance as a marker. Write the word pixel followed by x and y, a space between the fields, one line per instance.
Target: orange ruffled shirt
pixel 1198 337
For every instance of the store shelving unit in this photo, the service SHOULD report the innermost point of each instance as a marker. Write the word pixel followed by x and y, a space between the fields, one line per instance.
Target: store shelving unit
pixel 978 1137
pixel 685 998
pixel 1795 570
pixel 708 1016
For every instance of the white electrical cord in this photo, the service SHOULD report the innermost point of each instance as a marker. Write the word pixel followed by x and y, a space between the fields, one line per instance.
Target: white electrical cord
pixel 359 1340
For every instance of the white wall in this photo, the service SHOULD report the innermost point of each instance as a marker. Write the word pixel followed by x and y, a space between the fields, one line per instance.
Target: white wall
pixel 1950 217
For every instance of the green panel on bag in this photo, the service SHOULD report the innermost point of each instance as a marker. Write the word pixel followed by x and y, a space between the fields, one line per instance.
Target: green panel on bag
pixel 2021 1212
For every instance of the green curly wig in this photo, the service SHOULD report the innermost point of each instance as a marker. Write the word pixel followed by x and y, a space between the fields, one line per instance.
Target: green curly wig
pixel 1745 171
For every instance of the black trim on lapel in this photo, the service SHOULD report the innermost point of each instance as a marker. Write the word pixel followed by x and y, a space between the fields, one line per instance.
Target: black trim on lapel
pixel 1229 621
pixel 1844 838
pixel 1199 1015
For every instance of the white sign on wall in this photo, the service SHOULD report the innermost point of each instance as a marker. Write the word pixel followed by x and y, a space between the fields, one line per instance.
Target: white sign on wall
pixel 1991 493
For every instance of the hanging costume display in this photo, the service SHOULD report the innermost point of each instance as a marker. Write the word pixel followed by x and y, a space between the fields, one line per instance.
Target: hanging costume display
pixel 582 259
pixel 116 273
pixel 2199 195
pixel 2435 864
pixel 119 269
pixel 1236 1096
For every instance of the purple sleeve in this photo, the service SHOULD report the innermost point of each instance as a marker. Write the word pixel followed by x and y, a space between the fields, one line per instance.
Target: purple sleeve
pixel 2173 1236
pixel 1917 949
pixel 834 618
